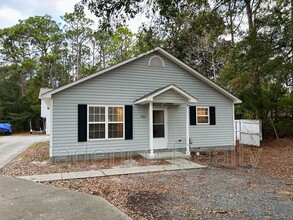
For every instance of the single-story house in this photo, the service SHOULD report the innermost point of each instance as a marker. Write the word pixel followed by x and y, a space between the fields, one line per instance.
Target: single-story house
pixel 148 103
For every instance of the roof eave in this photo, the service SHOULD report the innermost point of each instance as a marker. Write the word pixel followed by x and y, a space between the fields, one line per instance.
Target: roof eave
pixel 177 90
pixel 157 49
pixel 142 101
pixel 150 98
pixel 237 101
pixel 46 95
pixel 192 101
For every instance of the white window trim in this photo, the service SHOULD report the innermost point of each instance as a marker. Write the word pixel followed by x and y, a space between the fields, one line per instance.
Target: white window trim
pixel 106 122
pixel 208 115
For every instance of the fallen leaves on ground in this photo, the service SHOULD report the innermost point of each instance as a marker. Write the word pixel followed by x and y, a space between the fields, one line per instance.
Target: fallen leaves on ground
pixel 245 184
pixel 35 161
pixel 273 158
pixel 139 198
pixel 167 195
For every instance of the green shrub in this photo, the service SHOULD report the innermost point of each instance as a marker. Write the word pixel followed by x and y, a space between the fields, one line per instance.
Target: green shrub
pixel 284 127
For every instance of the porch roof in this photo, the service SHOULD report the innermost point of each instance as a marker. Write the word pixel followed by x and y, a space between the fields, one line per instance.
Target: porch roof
pixel 150 96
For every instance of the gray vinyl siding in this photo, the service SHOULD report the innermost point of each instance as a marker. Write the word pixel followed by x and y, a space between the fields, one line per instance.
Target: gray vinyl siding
pixel 169 97
pixel 122 86
pixel 176 126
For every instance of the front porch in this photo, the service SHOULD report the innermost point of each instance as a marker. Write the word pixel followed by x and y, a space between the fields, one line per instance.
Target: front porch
pixel 168 119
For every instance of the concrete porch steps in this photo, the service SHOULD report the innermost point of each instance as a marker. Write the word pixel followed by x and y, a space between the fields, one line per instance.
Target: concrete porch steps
pixel 164 155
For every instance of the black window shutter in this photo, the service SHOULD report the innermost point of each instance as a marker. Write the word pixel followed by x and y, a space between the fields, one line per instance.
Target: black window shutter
pixel 82 123
pixel 128 113
pixel 192 115
pixel 212 115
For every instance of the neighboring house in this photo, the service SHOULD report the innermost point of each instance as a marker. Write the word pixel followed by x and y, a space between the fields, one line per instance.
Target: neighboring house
pixel 149 102
pixel 45 111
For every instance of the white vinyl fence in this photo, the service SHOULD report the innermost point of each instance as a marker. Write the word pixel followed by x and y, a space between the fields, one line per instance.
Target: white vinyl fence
pixel 248 132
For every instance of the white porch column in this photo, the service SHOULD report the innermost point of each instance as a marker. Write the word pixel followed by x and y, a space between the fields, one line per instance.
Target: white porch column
pixel 187 130
pixel 151 130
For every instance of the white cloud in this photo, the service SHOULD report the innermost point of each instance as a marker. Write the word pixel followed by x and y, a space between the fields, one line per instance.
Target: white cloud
pixel 11 11
pixel 65 5
pixel 9 16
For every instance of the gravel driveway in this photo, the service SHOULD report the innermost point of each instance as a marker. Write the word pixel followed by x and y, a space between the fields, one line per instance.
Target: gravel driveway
pixel 236 188
pixel 217 193
pixel 11 146
pixel 212 193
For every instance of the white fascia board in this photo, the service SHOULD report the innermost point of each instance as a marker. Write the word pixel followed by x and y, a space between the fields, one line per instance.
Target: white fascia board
pixel 142 101
pixel 174 88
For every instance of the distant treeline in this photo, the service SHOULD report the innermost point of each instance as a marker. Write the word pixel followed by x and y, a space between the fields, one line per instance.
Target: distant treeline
pixel 244 46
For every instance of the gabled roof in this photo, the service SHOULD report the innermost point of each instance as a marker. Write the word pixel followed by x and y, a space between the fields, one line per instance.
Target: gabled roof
pixel 150 96
pixel 162 52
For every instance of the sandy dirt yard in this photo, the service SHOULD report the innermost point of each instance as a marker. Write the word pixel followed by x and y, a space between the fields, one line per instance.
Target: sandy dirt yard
pixel 35 161
pixel 250 183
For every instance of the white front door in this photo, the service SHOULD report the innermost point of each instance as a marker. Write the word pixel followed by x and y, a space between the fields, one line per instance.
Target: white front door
pixel 160 128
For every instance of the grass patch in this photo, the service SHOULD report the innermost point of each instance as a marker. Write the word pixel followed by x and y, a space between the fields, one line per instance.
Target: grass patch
pixel 36 152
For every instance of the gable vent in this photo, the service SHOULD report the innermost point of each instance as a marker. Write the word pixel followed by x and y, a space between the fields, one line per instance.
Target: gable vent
pixel 156 61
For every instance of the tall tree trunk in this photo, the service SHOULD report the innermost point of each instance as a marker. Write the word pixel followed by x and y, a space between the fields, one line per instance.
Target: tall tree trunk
pixel 291 7
pixel 231 25
pixel 22 83
pixel 254 51
pixel 43 74
pixel 213 65
pixel 51 76
pixel 78 63
pixel 291 10
pixel 104 58
pixel 249 15
pixel 93 57
pixel 56 78
pixel 43 53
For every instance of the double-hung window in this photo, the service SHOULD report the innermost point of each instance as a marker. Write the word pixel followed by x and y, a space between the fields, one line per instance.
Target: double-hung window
pixel 202 114
pixel 115 122
pixel 97 122
pixel 106 122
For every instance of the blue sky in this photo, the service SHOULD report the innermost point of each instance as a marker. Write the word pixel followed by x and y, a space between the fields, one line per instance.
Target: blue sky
pixel 13 10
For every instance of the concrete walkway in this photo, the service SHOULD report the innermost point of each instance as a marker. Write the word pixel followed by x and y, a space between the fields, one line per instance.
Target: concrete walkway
pixel 21 199
pixel 11 146
pixel 177 164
